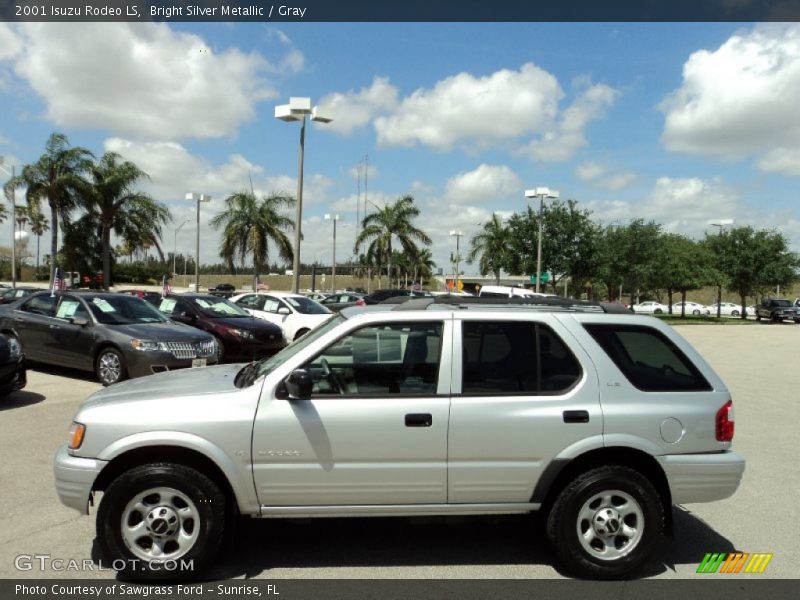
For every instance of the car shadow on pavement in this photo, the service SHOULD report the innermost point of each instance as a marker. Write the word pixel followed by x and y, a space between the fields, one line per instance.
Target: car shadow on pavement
pixel 61 371
pixel 20 399
pixel 264 545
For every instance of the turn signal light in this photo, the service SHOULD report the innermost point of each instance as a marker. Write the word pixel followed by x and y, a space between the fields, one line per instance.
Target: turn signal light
pixel 76 433
pixel 725 422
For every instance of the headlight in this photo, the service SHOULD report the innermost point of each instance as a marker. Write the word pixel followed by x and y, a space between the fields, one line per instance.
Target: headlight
pixel 147 346
pixel 76 433
pixel 14 347
pixel 244 334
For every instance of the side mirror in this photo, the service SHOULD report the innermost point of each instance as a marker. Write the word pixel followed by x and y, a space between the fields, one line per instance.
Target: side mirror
pixel 299 384
pixel 80 321
pixel 284 311
pixel 187 317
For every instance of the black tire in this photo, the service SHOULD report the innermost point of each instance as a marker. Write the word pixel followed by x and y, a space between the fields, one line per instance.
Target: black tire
pixel 301 333
pixel 563 522
pixel 758 317
pixel 172 485
pixel 110 367
pixel 734 313
pixel 696 312
pixel 658 311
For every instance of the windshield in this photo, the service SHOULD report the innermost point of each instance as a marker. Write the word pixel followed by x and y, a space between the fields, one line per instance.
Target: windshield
pixel 219 308
pixel 306 306
pixel 781 303
pixel 123 310
pixel 268 364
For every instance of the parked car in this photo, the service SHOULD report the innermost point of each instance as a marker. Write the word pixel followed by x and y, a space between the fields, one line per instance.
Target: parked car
pixel 13 375
pixel 726 309
pixel 223 290
pixel 402 410
pixel 337 302
pixel 650 307
pixel 691 308
pixel 316 296
pixel 507 291
pixel 776 309
pixel 7 296
pixel 240 337
pixel 114 335
pixel 143 294
pixel 294 313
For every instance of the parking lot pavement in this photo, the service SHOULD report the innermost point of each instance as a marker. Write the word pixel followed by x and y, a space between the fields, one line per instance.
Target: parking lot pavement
pixel 758 363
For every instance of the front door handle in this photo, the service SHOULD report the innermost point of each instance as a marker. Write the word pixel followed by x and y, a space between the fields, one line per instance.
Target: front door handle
pixel 576 416
pixel 419 420
pixel 55 326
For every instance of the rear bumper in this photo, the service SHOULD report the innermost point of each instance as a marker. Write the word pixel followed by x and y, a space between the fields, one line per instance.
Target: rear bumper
pixel 74 477
pixel 702 477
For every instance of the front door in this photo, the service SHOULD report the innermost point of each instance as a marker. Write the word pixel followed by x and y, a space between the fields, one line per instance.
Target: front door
pixel 375 429
pixel 73 343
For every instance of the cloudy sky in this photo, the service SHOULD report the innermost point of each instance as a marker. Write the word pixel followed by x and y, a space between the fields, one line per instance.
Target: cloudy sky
pixel 681 123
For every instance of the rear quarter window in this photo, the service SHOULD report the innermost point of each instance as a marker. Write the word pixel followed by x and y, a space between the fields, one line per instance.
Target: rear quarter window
pixel 648 359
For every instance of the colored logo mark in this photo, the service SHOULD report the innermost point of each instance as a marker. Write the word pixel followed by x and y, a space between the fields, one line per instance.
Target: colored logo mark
pixel 734 562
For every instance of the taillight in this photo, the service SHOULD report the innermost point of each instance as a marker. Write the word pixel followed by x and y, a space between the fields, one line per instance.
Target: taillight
pixel 360 302
pixel 725 422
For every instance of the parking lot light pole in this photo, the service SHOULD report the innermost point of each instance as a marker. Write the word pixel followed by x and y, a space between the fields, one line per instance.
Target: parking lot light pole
pixel 297 110
pixel 175 248
pixel 721 223
pixel 543 194
pixel 11 196
pixel 333 218
pixel 199 198
pixel 456 234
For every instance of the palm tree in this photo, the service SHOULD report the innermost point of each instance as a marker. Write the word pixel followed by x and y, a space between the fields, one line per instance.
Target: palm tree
pixel 56 178
pixel 389 222
pixel 39 224
pixel 249 225
pixel 117 206
pixel 423 265
pixel 140 226
pixel 492 246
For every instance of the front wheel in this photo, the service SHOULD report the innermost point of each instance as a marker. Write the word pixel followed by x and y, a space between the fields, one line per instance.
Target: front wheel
pixel 110 366
pixel 160 521
pixel 606 522
pixel 301 333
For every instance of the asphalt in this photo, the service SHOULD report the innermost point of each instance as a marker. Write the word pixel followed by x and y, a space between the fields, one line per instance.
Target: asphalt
pixel 758 363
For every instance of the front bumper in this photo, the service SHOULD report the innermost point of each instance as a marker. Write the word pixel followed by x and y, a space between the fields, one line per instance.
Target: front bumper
pixel 74 477
pixel 146 363
pixel 702 477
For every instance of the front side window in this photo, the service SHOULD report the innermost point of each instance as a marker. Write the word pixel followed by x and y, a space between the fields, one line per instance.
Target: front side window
pixel 512 357
pixel 381 360
pixel 70 307
pixel 648 359
pixel 44 304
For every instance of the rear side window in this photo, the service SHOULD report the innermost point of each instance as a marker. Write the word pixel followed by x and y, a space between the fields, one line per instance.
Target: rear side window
pixel 648 359
pixel 506 357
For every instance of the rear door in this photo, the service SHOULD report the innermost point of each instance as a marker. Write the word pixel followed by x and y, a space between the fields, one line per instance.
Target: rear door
pixel 32 321
pixel 521 395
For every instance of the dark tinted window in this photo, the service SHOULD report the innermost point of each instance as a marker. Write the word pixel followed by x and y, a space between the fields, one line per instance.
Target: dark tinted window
pixel 648 359
pixel 41 305
pixel 513 357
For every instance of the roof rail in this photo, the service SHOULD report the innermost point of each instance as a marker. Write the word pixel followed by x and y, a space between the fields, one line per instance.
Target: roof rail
pixel 549 303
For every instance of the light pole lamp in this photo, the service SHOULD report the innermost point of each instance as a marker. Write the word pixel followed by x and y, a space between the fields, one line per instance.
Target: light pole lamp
pixel 543 194
pixel 333 218
pixel 297 110
pixel 12 199
pixel 198 198
pixel 721 223
pixel 175 248
pixel 457 234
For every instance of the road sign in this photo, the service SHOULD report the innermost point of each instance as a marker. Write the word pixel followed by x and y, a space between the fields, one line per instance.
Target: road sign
pixel 544 279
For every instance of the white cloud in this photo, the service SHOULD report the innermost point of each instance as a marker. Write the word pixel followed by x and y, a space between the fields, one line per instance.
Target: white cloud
pixel 352 110
pixel 618 181
pixel 468 109
pixel 487 183
pixel 362 170
pixel 561 143
pixel 589 171
pixel 741 100
pixel 10 43
pixel 599 175
pixel 141 79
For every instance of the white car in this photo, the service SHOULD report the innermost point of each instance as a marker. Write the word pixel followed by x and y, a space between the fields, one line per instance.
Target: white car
pixel 727 309
pixel 650 307
pixel 692 308
pixel 294 313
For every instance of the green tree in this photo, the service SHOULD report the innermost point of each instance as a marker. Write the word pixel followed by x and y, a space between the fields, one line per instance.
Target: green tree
pixel 56 178
pixel 629 256
pixel 39 225
pixel 115 205
pixel 754 261
pixel 684 265
pixel 491 244
pixel 249 225
pixel 389 222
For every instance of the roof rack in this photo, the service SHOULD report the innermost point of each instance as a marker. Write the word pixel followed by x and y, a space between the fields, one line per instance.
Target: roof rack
pixel 540 303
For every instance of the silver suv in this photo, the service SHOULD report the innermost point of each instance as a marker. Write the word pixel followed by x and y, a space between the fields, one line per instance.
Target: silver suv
pixel 601 421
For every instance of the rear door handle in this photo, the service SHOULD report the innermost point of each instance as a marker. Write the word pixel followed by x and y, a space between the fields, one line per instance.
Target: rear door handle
pixel 576 416
pixel 419 420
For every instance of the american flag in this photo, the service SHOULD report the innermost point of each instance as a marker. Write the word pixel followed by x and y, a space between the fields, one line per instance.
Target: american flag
pixel 58 282
pixel 166 288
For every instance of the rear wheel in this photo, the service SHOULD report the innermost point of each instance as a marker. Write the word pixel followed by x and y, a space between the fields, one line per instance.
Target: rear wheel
pixel 110 366
pixel 696 312
pixel 606 522
pixel 734 313
pixel 157 517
